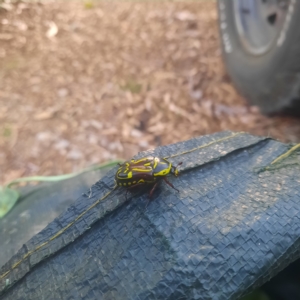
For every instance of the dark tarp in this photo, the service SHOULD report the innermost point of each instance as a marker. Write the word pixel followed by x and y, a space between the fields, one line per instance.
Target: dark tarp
pixel 233 226
pixel 37 207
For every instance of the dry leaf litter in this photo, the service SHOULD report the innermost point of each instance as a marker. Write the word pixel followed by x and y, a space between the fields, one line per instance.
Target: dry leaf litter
pixel 83 83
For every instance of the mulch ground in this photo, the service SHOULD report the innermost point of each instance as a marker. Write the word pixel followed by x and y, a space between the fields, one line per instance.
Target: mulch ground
pixel 83 83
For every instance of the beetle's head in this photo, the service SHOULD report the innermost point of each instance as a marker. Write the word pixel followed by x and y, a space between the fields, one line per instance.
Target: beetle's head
pixel 175 169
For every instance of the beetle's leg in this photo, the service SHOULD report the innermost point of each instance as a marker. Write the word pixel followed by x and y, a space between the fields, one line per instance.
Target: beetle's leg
pixel 130 188
pixel 151 193
pixel 152 190
pixel 127 190
pixel 170 184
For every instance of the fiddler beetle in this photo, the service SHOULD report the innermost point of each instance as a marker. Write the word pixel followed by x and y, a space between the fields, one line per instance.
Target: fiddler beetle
pixel 145 171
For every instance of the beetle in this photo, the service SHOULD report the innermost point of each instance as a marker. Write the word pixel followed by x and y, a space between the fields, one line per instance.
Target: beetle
pixel 145 171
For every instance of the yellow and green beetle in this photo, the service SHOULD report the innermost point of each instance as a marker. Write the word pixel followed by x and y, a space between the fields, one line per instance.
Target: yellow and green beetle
pixel 143 171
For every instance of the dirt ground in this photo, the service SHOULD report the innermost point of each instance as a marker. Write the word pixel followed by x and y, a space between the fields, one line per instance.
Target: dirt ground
pixel 83 82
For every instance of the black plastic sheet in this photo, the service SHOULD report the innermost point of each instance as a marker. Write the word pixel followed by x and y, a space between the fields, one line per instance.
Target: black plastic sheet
pixel 233 226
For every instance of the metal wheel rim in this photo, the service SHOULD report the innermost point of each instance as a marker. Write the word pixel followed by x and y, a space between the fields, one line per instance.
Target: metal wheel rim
pixel 260 22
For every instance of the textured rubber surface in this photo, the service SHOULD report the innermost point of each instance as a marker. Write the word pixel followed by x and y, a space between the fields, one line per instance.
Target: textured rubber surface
pixel 270 80
pixel 233 226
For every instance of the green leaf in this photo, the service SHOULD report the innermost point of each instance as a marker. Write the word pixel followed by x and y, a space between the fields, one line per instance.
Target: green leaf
pixel 88 4
pixel 8 198
pixel 256 295
pixel 65 176
pixel 132 86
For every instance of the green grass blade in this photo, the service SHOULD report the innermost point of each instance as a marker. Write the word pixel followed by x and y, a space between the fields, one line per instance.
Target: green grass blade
pixel 8 198
pixel 65 176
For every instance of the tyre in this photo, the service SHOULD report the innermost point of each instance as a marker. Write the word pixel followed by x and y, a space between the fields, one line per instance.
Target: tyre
pixel 261 51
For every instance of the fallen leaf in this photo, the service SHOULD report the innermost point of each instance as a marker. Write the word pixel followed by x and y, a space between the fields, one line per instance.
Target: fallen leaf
pixel 6 36
pixel 185 16
pixel 52 31
pixel 6 6
pixel 74 154
pixel 44 115
pixel 62 92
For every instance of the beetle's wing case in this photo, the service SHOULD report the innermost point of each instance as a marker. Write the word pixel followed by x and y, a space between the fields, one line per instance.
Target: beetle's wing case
pixel 135 172
pixel 146 161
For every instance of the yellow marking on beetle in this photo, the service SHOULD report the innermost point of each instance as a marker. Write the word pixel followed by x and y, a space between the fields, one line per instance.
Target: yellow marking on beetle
pixel 163 172
pixel 124 184
pixel 141 181
pixel 122 178
pixel 176 172
pixel 129 175
pixel 140 160
pixel 147 164
pixel 59 233
pixel 142 170
pixel 129 183
pixel 155 162
pixel 206 145
pixel 120 184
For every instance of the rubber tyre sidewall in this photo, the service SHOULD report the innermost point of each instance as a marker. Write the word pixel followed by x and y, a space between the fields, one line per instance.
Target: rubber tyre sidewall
pixel 271 80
